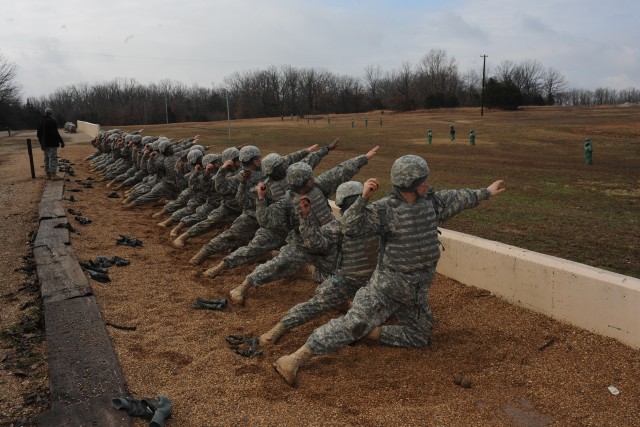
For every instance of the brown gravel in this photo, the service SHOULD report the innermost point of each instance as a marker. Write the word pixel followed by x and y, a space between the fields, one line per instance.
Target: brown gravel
pixel 523 368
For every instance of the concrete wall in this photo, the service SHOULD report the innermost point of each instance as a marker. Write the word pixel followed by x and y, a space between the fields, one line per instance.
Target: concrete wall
pixel 90 129
pixel 590 298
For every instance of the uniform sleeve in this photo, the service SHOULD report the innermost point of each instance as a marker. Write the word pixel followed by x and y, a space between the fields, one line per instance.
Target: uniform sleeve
pixel 274 215
pixel 295 157
pixel 362 218
pixel 319 239
pixel 329 181
pixel 227 182
pixel 314 159
pixel 452 202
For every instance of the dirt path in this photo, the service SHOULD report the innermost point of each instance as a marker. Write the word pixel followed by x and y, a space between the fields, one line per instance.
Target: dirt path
pixel 524 368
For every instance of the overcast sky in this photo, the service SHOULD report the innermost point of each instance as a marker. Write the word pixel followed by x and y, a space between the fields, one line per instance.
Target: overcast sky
pixel 57 43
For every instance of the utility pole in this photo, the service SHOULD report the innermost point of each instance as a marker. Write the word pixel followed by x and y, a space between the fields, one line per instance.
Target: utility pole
pixel 484 62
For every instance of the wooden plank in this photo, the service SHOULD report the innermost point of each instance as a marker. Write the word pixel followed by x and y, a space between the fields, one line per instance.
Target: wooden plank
pixel 51 209
pixel 60 274
pixel 82 362
pixel 93 412
pixel 49 235
pixel 53 190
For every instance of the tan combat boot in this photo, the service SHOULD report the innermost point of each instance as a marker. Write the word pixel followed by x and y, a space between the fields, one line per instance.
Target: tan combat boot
pixel 166 223
pixel 199 257
pixel 158 214
pixel 374 334
pixel 175 232
pixel 273 335
pixel 55 177
pixel 287 366
pixel 237 294
pixel 181 240
pixel 214 271
pixel 130 205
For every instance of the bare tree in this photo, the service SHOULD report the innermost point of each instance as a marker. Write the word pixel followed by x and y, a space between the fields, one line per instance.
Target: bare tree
pixel 373 77
pixel 9 91
pixel 553 84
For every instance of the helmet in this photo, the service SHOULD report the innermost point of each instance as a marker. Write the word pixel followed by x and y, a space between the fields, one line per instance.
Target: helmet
pixel 48 111
pixel 248 153
pixel 348 189
pixel 163 145
pixel 147 140
pixel 197 147
pixel 136 139
pixel 270 162
pixel 409 171
pixel 298 174
pixel 128 137
pixel 211 158
pixel 230 153
pixel 193 156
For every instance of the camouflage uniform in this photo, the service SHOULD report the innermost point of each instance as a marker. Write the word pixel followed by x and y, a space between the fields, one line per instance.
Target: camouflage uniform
pixel 226 184
pixel 268 238
pixel 295 254
pixel 357 260
pixel 400 285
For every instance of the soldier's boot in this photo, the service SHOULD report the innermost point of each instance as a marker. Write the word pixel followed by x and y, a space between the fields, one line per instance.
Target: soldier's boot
pixel 175 232
pixel 159 213
pixel 199 257
pixel 130 205
pixel 181 240
pixel 166 223
pixel 117 187
pixel 111 183
pixel 271 337
pixel 287 366
pixel 55 177
pixel 237 294
pixel 374 334
pixel 214 271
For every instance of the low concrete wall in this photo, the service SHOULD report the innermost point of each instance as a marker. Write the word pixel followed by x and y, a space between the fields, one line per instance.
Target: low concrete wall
pixel 90 129
pixel 590 298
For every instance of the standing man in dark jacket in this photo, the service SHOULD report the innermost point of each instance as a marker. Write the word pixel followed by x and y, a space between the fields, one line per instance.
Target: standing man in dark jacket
pixel 50 140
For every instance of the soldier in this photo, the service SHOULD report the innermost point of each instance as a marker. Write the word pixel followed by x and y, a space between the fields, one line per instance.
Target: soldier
pixel 295 254
pixel 357 259
pixel 271 236
pixel 227 188
pixel 244 227
pixel 50 140
pixel 407 222
pixel 211 163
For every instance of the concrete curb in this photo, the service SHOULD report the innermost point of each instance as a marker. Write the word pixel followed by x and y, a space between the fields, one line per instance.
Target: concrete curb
pixel 84 372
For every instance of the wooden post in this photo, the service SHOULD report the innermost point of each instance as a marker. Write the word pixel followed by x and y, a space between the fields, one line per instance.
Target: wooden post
pixel 33 171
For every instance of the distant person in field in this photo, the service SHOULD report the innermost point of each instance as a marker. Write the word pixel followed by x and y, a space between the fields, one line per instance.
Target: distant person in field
pixel 452 133
pixel 50 140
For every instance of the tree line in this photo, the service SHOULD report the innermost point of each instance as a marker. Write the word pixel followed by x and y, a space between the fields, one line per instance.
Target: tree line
pixel 434 82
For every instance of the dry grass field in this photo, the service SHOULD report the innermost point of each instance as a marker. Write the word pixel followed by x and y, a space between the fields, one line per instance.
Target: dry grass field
pixel 525 369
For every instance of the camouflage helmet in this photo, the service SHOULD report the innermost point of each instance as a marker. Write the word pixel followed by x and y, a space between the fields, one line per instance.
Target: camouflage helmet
pixel 197 147
pixel 348 189
pixel 211 158
pixel 163 145
pixel 193 156
pixel 154 145
pixel 408 172
pixel 298 174
pixel 270 162
pixel 248 153
pixel 147 140
pixel 230 154
pixel 137 139
pixel 128 137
